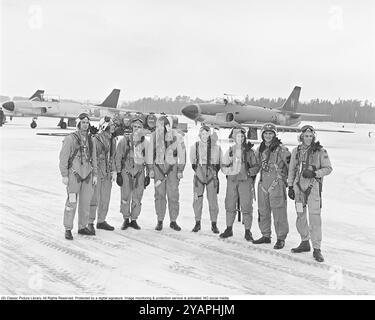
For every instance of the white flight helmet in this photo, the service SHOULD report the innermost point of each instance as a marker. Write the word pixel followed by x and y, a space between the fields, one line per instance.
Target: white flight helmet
pixel 104 123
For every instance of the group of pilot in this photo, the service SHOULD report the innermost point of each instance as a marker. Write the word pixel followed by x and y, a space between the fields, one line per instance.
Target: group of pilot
pixel 90 163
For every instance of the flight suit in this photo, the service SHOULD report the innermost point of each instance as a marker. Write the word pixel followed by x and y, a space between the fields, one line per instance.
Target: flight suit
pixel 318 161
pixel 130 160
pixel 105 151
pixel 205 177
pixel 79 164
pixel 272 190
pixel 167 157
pixel 239 165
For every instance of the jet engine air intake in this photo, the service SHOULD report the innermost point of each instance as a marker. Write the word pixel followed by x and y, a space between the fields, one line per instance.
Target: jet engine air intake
pixel 225 117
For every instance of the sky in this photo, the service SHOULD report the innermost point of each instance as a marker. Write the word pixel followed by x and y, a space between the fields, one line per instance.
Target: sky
pixel 201 48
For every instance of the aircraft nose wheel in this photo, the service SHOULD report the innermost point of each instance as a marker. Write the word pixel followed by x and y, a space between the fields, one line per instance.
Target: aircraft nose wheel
pixel 33 125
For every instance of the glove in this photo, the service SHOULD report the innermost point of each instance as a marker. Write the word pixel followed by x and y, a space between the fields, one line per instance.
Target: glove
pixel 291 193
pixel 308 174
pixel 65 180
pixel 194 166
pixel 179 175
pixel 119 180
pixel 94 180
pixel 147 181
pixel 152 174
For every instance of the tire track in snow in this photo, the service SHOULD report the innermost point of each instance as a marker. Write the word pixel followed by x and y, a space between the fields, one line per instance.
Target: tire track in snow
pixel 325 267
pixel 31 188
pixel 67 251
pixel 60 248
pixel 37 223
pixel 290 257
pixel 46 241
pixel 269 265
pixel 14 283
pixel 262 250
pixel 189 271
pixel 55 271
pixel 176 267
pixel 213 249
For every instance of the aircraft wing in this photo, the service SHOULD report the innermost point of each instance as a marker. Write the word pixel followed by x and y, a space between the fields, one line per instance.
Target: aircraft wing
pixel 289 128
pixel 320 115
pixel 301 114
pixel 258 126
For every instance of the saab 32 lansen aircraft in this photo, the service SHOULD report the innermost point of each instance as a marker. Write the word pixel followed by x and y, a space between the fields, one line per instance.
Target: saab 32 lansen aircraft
pixel 230 113
pixel 51 106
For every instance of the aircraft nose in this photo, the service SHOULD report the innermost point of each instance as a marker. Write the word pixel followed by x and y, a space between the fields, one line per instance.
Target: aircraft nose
pixel 9 106
pixel 191 111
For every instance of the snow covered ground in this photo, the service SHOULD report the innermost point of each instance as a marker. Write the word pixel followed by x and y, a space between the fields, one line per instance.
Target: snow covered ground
pixel 36 259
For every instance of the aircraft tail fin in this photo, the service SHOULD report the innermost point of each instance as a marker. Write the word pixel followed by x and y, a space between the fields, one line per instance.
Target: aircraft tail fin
pixel 291 104
pixel 38 95
pixel 112 100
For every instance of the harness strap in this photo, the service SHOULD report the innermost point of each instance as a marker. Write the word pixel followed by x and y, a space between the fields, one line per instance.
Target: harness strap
pixel 79 148
pixel 106 154
pixel 209 165
pixel 197 179
pixel 165 174
pixel 70 160
pixel 80 179
pixel 305 165
pixel 167 144
pixel 133 180
pixel 278 177
pixel 244 152
pixel 128 145
pixel 131 146
pixel 266 161
pixel 272 186
pixel 305 193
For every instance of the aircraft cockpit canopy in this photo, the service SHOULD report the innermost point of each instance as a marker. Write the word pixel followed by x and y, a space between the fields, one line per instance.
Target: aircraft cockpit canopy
pixel 229 99
pixel 51 98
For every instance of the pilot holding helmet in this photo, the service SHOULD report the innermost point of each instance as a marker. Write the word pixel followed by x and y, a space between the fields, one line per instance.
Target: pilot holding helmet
pixel 308 165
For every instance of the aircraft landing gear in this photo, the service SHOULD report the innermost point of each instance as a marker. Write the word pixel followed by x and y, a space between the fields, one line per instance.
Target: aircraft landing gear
pixel 252 134
pixel 62 124
pixel 33 124
pixel 71 122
